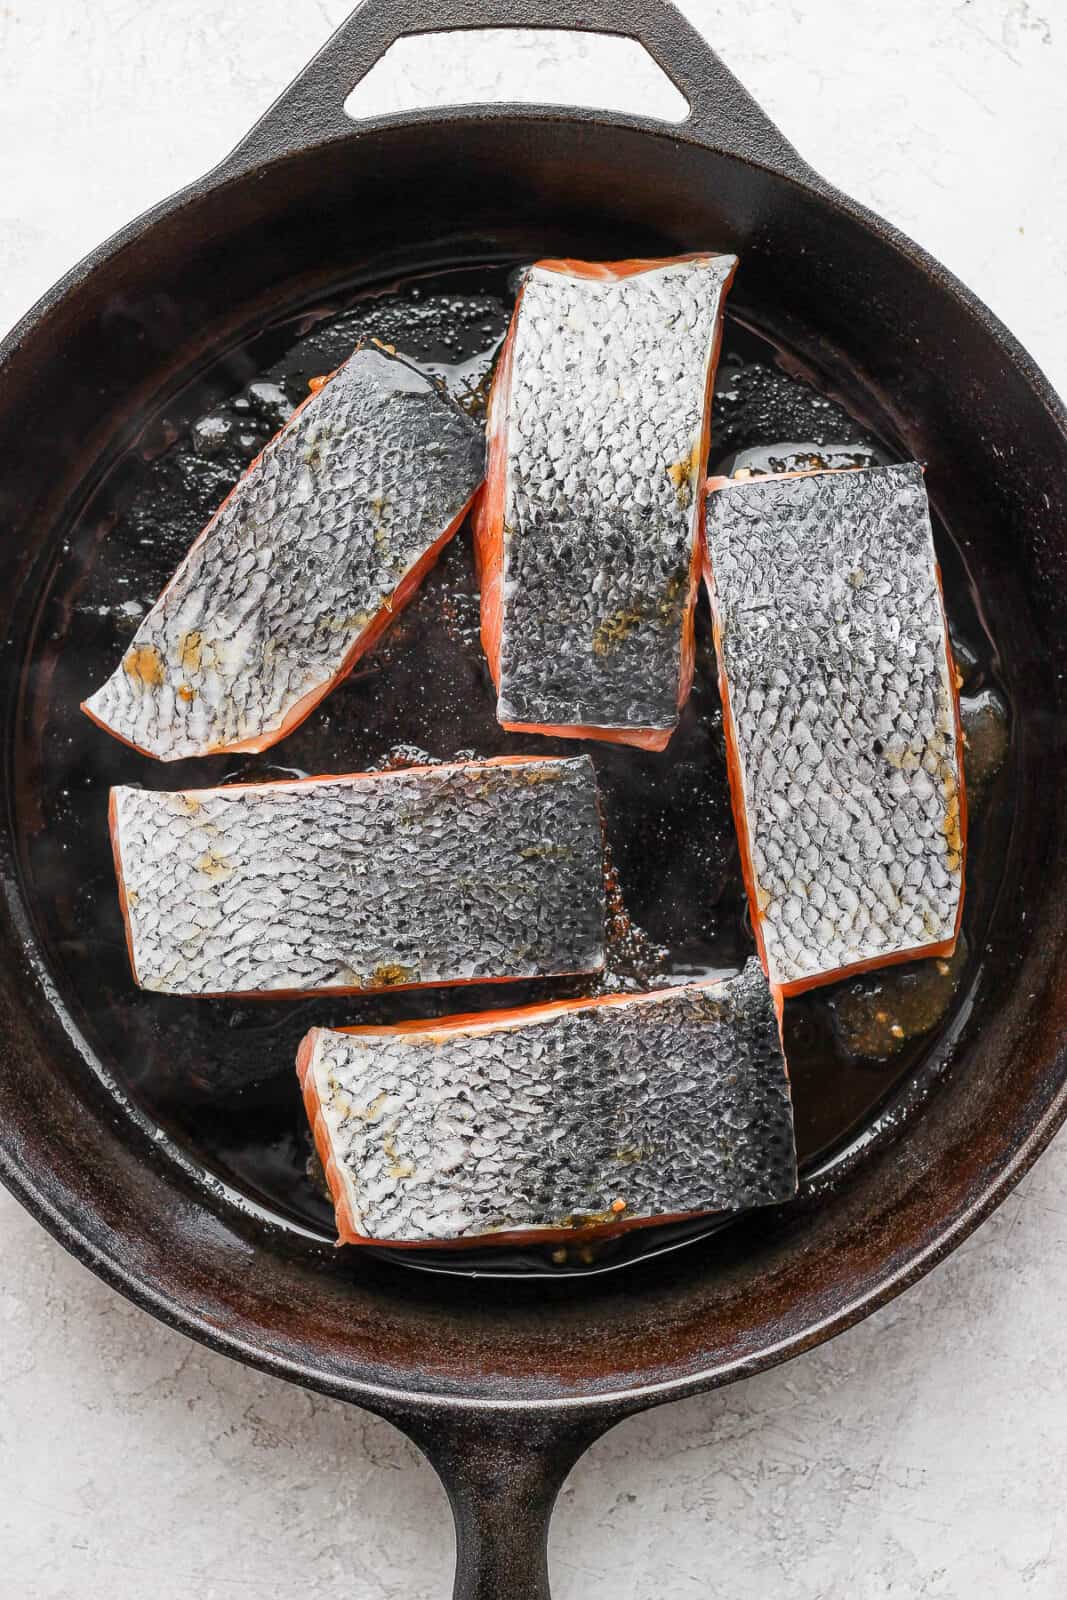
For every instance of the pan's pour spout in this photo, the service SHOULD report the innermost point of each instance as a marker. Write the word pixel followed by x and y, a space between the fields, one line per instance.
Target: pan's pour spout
pixel 503 1473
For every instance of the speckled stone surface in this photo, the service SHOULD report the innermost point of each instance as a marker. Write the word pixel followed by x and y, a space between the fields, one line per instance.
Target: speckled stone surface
pixel 918 1457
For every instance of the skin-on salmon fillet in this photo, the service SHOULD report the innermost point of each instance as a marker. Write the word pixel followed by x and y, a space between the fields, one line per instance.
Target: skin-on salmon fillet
pixel 588 532
pixel 841 719
pixel 467 873
pixel 595 1114
pixel 327 535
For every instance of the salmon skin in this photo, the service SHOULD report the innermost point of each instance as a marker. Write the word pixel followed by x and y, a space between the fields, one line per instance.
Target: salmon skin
pixel 483 870
pixel 588 532
pixel 326 536
pixel 605 1114
pixel 841 719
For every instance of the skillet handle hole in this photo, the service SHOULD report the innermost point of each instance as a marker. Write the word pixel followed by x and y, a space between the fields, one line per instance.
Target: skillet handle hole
pixel 520 66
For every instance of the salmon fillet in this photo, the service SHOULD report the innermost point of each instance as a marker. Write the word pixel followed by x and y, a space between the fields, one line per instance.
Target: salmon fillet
pixel 588 533
pixel 467 873
pixel 525 1125
pixel 841 719
pixel 323 540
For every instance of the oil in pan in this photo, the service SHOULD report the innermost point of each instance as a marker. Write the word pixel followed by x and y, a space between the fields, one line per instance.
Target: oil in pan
pixel 215 1078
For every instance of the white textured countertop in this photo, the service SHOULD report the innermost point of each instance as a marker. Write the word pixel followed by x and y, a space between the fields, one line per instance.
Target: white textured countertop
pixel 920 1454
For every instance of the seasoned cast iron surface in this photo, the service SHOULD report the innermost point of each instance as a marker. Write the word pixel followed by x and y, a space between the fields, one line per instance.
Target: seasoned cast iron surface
pixel 216 1077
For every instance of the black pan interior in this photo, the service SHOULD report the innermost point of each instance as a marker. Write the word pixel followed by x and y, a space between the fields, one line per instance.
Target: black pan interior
pixel 215 1078
pixel 170 1133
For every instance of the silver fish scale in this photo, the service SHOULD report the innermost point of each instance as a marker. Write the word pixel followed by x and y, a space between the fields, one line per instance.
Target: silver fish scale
pixel 304 555
pixel 674 1102
pixel 837 668
pixel 445 874
pixel 604 422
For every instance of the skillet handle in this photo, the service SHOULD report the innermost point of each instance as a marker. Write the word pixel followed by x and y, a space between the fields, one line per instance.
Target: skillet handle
pixel 722 115
pixel 503 1472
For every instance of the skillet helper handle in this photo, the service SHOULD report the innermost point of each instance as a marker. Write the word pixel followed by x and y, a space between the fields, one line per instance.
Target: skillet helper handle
pixel 503 1473
pixel 722 114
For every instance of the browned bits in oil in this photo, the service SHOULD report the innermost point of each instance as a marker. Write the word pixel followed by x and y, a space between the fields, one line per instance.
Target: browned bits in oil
pixel 798 462
pixel 985 726
pixel 400 756
pixel 618 921
pixel 317 1175
pixel 590 1219
pixel 875 1017
pixel 632 959
pixel 474 397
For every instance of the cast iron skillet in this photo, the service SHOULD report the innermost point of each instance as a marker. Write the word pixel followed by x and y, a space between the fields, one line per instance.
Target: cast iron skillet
pixel 505 1384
